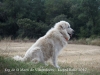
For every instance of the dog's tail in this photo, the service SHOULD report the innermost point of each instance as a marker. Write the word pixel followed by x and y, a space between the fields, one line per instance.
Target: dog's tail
pixel 19 58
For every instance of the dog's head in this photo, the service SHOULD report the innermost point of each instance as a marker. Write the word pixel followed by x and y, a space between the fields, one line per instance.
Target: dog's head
pixel 64 26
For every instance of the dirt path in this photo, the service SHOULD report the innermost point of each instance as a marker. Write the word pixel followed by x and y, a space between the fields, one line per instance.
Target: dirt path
pixel 73 55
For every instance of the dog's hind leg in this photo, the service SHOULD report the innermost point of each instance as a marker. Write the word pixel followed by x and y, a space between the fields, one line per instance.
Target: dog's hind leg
pixel 36 60
pixel 42 58
pixel 38 56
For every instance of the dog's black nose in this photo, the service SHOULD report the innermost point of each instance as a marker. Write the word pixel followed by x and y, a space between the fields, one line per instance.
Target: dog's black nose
pixel 73 31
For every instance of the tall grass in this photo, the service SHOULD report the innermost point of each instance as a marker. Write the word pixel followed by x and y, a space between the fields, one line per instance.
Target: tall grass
pixel 9 39
pixel 86 41
pixel 9 66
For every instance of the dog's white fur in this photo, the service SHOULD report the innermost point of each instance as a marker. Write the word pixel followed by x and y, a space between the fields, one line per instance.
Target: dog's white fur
pixel 49 45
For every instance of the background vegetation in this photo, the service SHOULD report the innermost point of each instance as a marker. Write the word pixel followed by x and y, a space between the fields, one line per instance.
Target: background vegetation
pixel 32 18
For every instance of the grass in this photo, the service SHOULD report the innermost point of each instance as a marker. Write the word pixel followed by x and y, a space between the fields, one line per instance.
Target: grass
pixel 9 66
pixel 86 41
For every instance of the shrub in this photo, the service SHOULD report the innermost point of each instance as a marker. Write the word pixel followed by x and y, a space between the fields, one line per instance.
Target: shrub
pixel 31 29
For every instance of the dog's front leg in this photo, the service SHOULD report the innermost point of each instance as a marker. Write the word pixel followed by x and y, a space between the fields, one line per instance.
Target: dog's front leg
pixel 54 59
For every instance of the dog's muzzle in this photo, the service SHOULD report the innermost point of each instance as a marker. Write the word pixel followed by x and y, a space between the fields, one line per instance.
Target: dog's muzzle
pixel 71 33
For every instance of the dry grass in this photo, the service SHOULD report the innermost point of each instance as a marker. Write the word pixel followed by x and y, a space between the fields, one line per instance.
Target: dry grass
pixel 86 56
pixel 95 42
pixel 87 41
pixel 74 55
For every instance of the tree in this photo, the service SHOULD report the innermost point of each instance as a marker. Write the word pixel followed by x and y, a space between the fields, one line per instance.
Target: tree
pixel 36 10
pixel 32 18
pixel 90 9
pixel 85 17
pixel 13 10
pixel 31 29
pixel 54 8
pixel 58 18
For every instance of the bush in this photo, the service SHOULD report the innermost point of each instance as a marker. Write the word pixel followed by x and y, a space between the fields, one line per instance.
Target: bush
pixel 31 29
pixel 58 18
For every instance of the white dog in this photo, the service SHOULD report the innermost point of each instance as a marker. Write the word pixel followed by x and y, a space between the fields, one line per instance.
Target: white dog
pixel 49 45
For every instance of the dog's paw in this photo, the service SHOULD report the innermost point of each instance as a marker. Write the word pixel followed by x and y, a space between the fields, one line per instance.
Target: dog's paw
pixel 46 64
pixel 57 66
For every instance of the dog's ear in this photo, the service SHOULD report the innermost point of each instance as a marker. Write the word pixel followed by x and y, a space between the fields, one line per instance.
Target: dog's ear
pixel 62 26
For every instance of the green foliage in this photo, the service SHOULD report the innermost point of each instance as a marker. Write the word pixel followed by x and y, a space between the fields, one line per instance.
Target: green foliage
pixel 32 18
pixel 31 29
pixel 55 8
pixel 58 18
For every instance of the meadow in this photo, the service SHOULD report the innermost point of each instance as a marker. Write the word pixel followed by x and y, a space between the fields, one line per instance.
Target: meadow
pixel 75 59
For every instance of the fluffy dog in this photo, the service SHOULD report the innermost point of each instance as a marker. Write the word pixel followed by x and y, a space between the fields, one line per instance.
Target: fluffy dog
pixel 49 45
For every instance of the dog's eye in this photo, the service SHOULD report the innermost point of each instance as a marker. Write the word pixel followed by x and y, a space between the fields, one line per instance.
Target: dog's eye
pixel 68 26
